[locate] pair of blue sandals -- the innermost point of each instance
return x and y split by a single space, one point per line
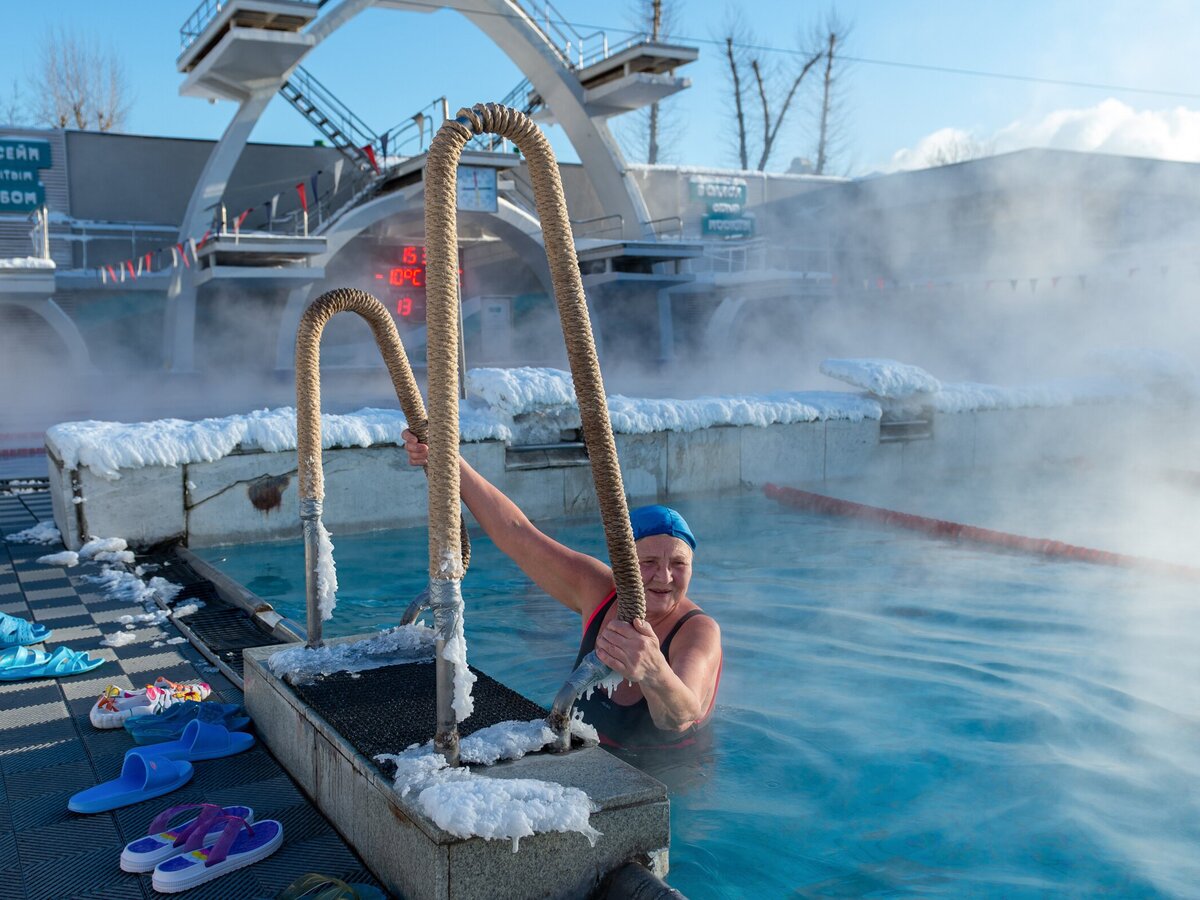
18 661
152 770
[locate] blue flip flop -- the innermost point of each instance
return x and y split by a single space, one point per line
199 741
169 725
15 632
141 778
17 663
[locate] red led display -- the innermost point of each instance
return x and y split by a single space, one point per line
407 283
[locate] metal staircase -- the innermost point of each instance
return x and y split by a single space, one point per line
330 116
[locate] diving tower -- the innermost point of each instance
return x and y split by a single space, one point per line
248 51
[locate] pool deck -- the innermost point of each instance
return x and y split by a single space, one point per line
49 750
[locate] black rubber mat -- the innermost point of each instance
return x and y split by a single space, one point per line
385 710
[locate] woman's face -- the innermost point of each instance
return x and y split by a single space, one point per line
666 565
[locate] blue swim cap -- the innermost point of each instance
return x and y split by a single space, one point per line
659 519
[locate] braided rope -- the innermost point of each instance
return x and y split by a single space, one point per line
308 382
441 239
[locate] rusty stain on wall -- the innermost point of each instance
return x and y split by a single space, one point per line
266 493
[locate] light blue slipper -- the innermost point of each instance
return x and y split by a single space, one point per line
16 632
200 740
17 663
141 779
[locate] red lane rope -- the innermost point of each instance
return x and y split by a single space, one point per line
945 529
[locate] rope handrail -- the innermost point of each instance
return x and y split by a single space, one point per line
441 241
308 426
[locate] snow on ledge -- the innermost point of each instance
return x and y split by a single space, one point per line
882 377
27 262
499 395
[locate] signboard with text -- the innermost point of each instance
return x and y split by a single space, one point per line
21 190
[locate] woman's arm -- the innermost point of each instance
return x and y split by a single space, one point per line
576 580
678 693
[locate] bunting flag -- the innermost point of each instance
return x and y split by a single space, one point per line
129 265
103 276
271 213
303 195
174 256
139 266
183 255
1054 281
370 151
192 247
316 195
383 145
337 172
148 267
237 223
112 275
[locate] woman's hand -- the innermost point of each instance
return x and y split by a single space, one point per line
631 650
418 453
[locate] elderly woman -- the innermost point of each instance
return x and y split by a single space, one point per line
671 660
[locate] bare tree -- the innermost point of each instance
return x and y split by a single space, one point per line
831 35
13 108
78 84
650 133
958 148
737 39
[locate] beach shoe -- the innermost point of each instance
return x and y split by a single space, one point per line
141 778
17 663
325 887
240 844
200 741
169 726
15 632
161 842
116 704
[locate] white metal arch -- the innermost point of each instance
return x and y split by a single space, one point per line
503 22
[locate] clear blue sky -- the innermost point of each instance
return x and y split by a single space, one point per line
386 64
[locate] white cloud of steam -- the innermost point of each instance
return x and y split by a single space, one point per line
1108 127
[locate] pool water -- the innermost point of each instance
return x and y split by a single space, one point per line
898 716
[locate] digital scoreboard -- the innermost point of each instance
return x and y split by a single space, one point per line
405 284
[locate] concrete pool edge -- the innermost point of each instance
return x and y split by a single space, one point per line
416 858
250 495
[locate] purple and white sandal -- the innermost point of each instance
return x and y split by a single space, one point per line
240 844
162 842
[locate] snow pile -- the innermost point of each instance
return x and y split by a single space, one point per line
882 377
41 533
326 574
26 262
118 639
969 396
467 804
642 416
521 390
66 559
117 584
403 644
106 550
107 447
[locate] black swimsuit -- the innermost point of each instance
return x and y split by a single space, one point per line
630 726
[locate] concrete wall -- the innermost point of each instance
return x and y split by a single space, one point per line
252 496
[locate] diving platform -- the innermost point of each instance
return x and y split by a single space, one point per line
26 278
266 260
228 49
635 264
628 79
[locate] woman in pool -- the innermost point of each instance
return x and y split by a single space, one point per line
671 660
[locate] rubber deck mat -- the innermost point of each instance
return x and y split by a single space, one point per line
224 628
386 710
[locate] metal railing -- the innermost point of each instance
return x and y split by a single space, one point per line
302 88
575 49
208 10
595 226
757 255
409 137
